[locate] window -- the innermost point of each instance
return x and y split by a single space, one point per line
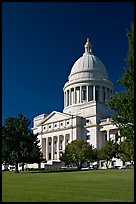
87 137
44 128
49 126
61 124
67 122
49 143
49 156
60 145
55 125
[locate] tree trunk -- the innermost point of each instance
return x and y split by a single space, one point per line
107 165
23 166
16 168
39 165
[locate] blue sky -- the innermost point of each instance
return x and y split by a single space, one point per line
42 40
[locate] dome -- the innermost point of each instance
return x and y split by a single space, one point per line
88 66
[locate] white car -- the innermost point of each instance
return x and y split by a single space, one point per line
87 168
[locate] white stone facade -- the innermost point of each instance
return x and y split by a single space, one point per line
85 115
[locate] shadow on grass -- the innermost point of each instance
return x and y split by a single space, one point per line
53 171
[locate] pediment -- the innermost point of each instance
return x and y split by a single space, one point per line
54 117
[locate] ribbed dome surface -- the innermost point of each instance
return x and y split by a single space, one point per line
88 66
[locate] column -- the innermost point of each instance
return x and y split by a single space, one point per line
105 93
74 95
58 147
100 94
52 152
94 93
80 94
64 99
87 93
64 142
69 96
47 152
43 148
108 135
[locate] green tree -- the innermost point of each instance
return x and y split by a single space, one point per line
19 144
108 151
123 102
78 152
127 151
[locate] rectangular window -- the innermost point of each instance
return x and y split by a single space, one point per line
60 145
87 137
49 156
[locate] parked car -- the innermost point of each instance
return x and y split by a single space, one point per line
11 168
87 168
69 166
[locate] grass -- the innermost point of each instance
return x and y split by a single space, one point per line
79 186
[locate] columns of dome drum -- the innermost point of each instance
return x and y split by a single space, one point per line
87 93
64 99
94 93
80 94
105 94
100 94
69 96
74 101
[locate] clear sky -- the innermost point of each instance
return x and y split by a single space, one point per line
41 41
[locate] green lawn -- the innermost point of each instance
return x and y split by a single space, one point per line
79 186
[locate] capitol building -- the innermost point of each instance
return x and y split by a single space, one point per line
85 115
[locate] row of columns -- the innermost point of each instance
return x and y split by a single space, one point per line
52 146
86 93
108 133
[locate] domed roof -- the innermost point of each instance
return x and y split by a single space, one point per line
88 66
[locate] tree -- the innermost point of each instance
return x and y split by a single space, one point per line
127 151
19 144
78 152
123 102
108 151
